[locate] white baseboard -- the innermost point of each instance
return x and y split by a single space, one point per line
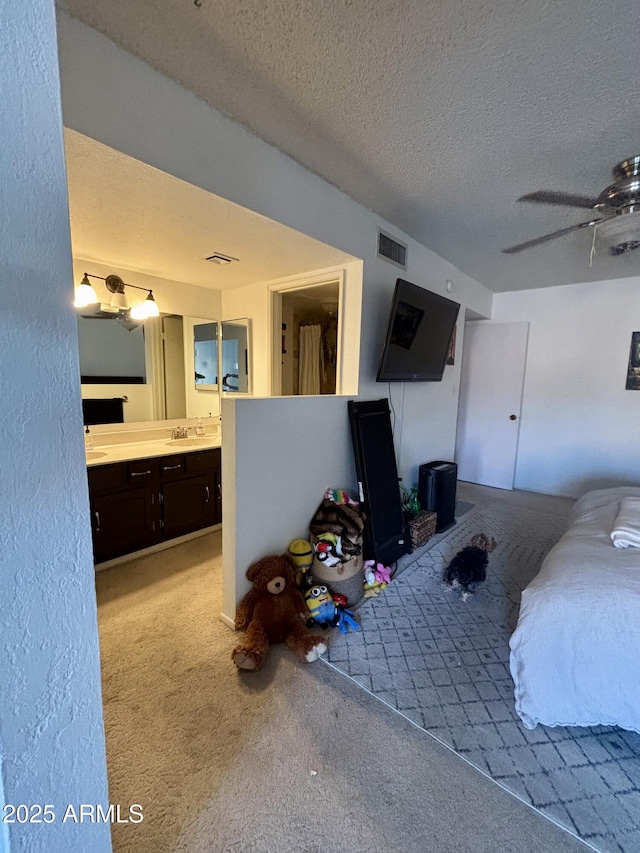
228 621
160 546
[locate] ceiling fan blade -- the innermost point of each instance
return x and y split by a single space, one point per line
512 250
565 199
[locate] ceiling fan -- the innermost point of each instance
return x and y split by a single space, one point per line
107 312
617 210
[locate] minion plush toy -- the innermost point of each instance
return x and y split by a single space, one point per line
329 612
322 608
302 555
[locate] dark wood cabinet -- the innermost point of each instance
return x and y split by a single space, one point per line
141 503
189 504
124 522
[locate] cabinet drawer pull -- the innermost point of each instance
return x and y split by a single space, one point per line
171 467
206 493
139 473
219 491
97 515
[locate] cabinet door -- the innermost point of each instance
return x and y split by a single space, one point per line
124 522
190 504
218 495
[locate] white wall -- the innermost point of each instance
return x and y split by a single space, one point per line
173 297
578 427
51 729
138 406
108 349
278 481
118 100
254 301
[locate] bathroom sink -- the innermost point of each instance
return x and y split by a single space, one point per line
94 454
192 442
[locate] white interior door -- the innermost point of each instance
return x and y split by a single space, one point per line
491 382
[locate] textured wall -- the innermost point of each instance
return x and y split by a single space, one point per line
4 828
277 489
436 114
578 428
116 99
51 731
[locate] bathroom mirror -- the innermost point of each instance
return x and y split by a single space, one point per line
221 356
205 356
140 372
235 356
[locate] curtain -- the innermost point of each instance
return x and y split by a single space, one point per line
310 359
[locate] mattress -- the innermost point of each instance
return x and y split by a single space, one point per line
575 653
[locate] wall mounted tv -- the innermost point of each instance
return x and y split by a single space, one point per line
418 335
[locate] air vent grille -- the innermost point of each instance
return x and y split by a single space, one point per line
219 258
391 249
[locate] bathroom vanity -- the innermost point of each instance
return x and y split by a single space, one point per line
147 494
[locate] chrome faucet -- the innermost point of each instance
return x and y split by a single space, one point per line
180 432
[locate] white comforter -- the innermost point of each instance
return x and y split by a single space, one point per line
575 653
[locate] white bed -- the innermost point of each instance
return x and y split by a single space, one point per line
575 653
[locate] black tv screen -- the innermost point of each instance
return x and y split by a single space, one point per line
418 335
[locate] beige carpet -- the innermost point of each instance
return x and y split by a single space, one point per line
294 758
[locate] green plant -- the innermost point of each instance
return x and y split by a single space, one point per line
410 502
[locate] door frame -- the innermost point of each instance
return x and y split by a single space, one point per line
274 318
487 324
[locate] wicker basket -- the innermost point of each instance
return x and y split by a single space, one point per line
422 527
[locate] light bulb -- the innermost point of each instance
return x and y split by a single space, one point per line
151 306
119 300
139 311
85 294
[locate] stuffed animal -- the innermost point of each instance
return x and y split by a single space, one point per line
301 553
374 588
339 496
274 611
320 604
376 572
329 610
328 549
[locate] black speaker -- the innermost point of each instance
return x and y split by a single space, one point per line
437 483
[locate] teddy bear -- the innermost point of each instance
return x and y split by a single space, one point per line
274 611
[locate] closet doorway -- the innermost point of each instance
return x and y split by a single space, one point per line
307 348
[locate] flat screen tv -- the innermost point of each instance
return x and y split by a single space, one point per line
418 335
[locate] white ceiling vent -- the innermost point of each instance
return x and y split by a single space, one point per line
391 249
219 258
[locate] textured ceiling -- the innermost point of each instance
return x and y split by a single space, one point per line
127 213
436 114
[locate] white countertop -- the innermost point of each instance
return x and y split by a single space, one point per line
107 453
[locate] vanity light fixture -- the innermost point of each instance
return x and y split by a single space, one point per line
86 295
